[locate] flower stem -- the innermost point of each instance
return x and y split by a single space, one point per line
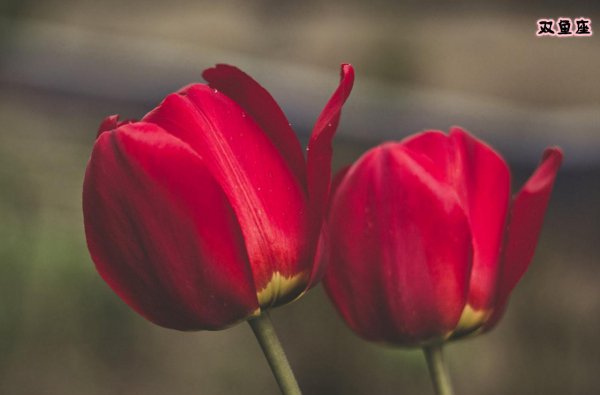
267 338
438 370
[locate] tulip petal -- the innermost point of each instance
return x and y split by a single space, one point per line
400 249
485 180
435 145
261 106
108 123
526 218
482 181
270 203
162 233
337 180
319 154
319 149
322 251
112 122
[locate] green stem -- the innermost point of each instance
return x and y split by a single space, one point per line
438 369
267 338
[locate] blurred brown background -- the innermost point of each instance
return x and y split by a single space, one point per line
420 64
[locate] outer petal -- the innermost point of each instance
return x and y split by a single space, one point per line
323 245
319 147
435 145
526 218
111 122
261 106
337 180
108 123
482 180
162 233
269 201
319 161
400 249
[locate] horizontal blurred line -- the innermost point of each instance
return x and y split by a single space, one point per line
112 66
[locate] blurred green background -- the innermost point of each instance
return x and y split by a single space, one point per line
429 64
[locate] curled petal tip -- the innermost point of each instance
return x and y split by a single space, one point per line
544 175
347 68
319 151
555 152
525 222
347 75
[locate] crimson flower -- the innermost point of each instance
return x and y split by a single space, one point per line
205 212
425 242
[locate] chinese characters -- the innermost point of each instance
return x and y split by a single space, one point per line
564 27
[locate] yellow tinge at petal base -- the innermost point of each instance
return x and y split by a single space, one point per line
471 321
281 289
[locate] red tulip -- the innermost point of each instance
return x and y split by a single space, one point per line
205 212
426 244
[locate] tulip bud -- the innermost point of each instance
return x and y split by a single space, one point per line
425 243
205 212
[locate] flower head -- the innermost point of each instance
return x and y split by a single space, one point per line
425 241
205 211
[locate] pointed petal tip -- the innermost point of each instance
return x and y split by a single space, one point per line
544 175
347 70
555 153
455 129
553 156
112 122
108 123
347 78
211 72
460 132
